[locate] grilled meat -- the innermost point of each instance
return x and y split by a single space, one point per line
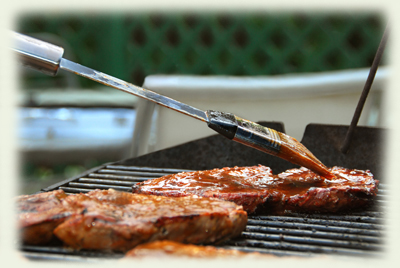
302 190
112 220
242 185
257 189
167 248
39 215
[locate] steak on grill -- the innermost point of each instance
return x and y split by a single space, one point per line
166 248
39 215
112 220
257 189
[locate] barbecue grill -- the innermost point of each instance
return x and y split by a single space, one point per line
355 233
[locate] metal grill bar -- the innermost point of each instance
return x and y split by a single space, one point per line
148 169
61 253
62 257
255 244
70 251
314 233
108 182
98 186
373 217
131 173
311 221
355 230
75 190
309 240
117 177
367 214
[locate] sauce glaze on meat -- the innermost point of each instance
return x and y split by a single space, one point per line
256 188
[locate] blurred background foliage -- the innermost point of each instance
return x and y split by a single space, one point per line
132 46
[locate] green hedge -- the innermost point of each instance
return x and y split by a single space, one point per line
132 46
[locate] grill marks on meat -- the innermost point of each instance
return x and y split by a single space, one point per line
167 248
257 189
111 220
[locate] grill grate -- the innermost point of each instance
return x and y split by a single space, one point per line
354 234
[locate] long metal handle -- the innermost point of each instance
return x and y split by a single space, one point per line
132 89
47 58
37 54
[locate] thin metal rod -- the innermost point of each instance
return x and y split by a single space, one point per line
364 94
132 89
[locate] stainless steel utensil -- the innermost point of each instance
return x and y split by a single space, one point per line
48 59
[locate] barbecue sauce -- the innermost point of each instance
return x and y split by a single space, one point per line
252 186
249 179
296 153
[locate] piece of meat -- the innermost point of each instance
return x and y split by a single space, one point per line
112 220
242 185
40 202
166 248
258 190
39 214
119 221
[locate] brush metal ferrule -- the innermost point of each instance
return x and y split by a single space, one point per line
245 131
257 136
